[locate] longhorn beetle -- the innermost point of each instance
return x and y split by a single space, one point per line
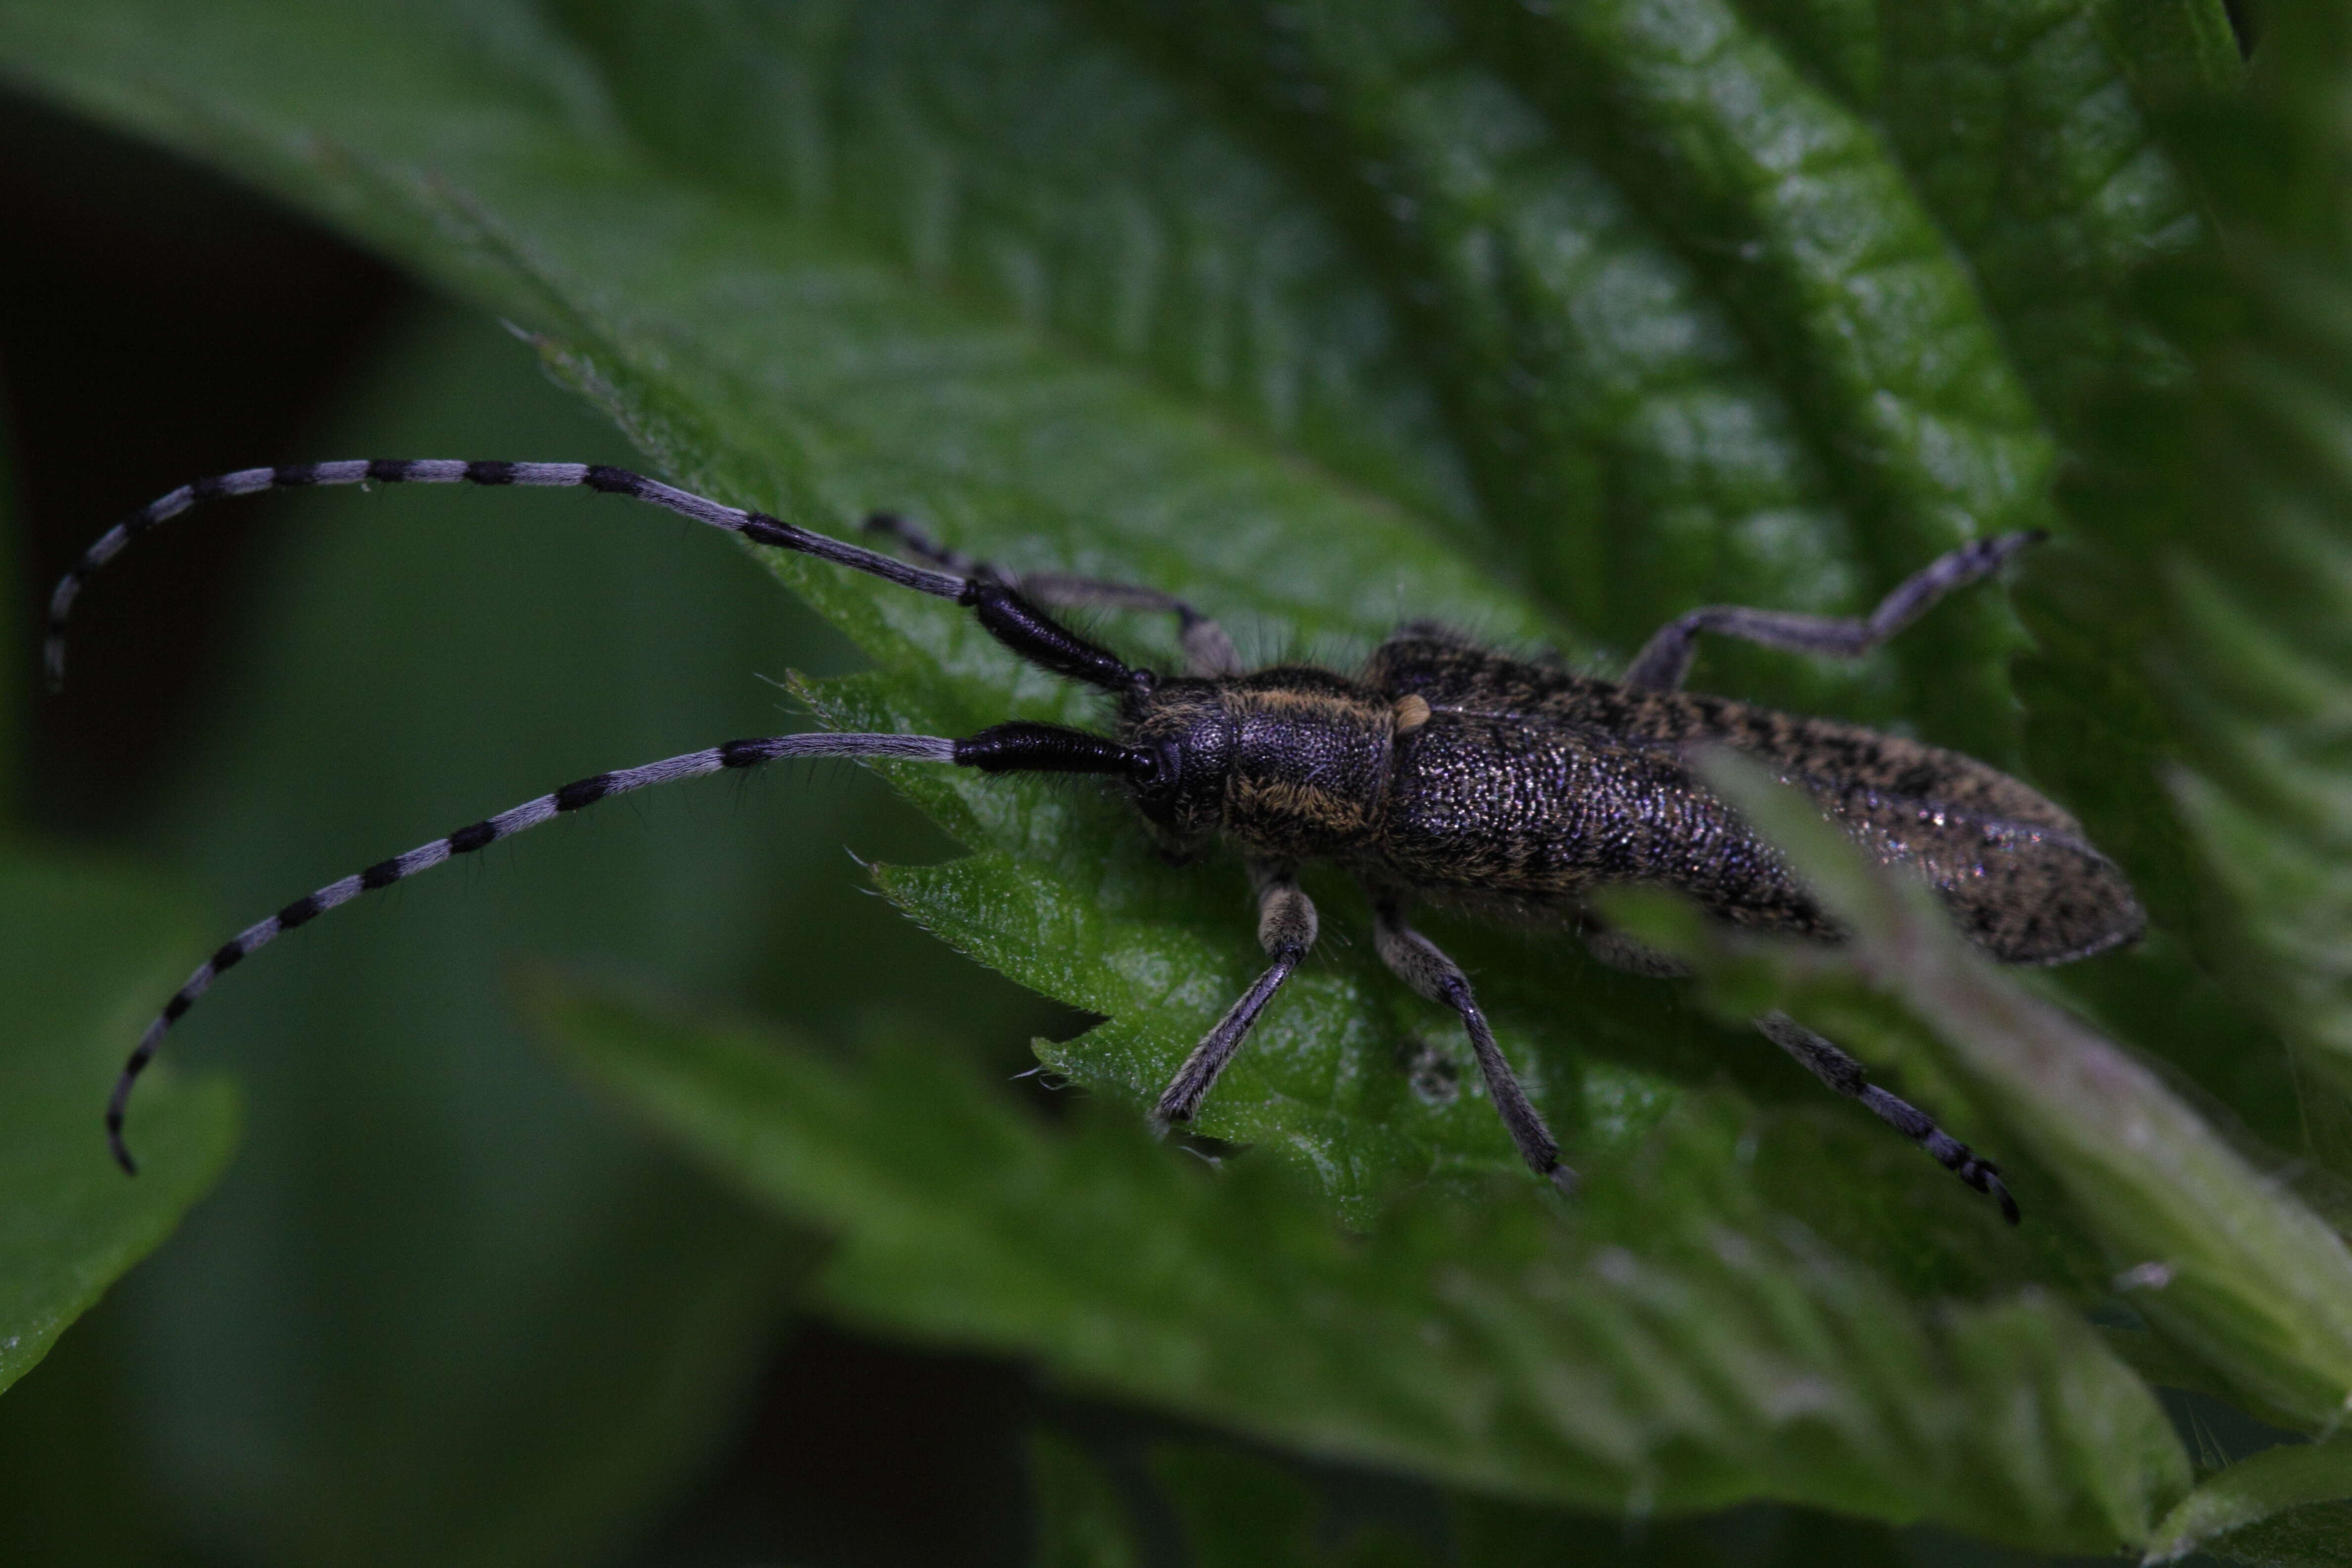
1441 770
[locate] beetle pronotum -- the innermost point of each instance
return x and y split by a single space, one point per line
1442 770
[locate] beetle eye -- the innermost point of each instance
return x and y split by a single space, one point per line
1154 770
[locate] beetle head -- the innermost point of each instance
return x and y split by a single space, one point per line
1183 726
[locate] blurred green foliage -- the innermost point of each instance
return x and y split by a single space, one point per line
1548 320
455 1306
84 947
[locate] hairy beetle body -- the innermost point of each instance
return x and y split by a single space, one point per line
1458 773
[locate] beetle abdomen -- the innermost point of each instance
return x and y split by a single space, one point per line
1458 676
1533 812
2025 891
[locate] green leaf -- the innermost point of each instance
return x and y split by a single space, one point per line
85 949
1708 332
2219 1256
2254 1489
2310 1537
2225 506
1591 375
1665 1345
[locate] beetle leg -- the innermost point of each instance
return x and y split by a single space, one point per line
1618 951
1416 961
1665 658
1207 649
1286 929
1845 1075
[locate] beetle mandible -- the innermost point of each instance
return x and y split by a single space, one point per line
1441 771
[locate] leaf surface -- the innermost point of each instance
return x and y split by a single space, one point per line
2256 1492
2257 1282
1667 1344
84 951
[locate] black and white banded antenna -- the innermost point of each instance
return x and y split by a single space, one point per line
756 526
1016 747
